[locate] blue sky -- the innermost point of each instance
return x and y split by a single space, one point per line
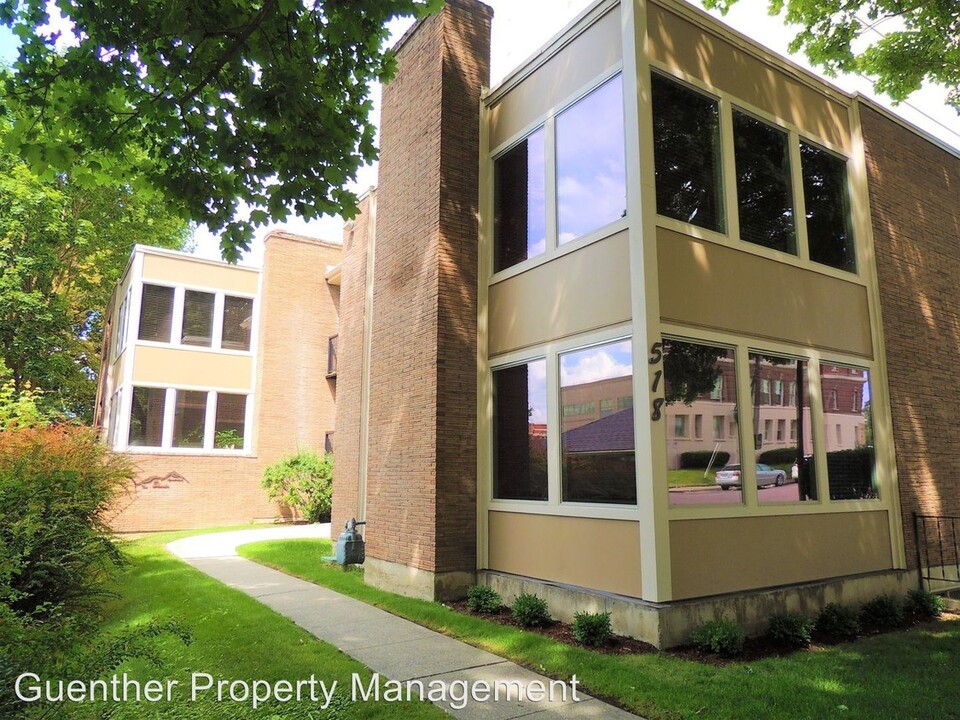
8 46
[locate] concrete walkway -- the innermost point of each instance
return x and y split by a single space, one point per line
389 645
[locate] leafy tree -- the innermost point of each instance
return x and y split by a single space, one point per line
919 45
264 103
63 247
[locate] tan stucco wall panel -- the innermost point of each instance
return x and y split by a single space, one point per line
724 555
580 62
190 272
586 552
683 46
709 285
583 290
174 367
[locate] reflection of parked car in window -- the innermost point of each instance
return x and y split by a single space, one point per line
730 476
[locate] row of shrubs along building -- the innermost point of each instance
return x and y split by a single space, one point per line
654 251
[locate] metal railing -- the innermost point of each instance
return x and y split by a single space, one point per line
938 551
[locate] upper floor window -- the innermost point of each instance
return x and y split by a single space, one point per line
764 189
156 313
686 144
520 211
120 341
591 162
197 327
237 322
827 208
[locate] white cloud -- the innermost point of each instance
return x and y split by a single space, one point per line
600 363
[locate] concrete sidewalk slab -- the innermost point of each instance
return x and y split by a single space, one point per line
393 647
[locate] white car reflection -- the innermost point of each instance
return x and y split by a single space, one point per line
729 477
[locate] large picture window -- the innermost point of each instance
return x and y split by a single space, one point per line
189 418
849 433
197 328
591 162
700 380
520 213
520 432
828 214
156 313
597 449
764 189
146 417
230 426
686 143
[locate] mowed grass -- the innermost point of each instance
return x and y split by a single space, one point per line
910 674
234 637
687 478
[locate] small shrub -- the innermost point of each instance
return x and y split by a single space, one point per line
778 456
838 622
884 612
790 630
304 482
699 459
923 605
723 637
482 599
530 611
591 629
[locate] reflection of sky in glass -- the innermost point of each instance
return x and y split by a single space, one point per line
596 363
536 194
537 389
591 166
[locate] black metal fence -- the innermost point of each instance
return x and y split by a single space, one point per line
938 552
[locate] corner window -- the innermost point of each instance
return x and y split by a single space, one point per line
686 142
849 433
230 426
764 189
591 162
197 327
123 316
146 417
827 208
701 379
520 432
237 323
519 224
156 313
597 452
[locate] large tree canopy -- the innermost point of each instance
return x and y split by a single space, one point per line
900 44
262 102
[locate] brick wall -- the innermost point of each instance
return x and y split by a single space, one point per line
421 482
295 403
915 201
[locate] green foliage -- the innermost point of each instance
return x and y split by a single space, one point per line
530 611
884 612
837 622
790 630
304 482
229 438
723 637
18 409
689 370
919 46
483 599
699 459
211 104
591 629
778 456
923 605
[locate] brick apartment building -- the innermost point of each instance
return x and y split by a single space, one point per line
214 371
654 236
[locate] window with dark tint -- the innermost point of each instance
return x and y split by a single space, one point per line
156 313
189 417
146 417
598 462
827 209
237 322
520 432
848 433
764 192
686 143
197 318
231 421
591 164
519 225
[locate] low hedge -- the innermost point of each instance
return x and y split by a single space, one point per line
700 459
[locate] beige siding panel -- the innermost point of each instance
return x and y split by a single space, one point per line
712 557
174 367
583 290
190 271
683 46
586 552
709 285
572 69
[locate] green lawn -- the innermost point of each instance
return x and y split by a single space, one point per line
910 674
686 478
234 637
